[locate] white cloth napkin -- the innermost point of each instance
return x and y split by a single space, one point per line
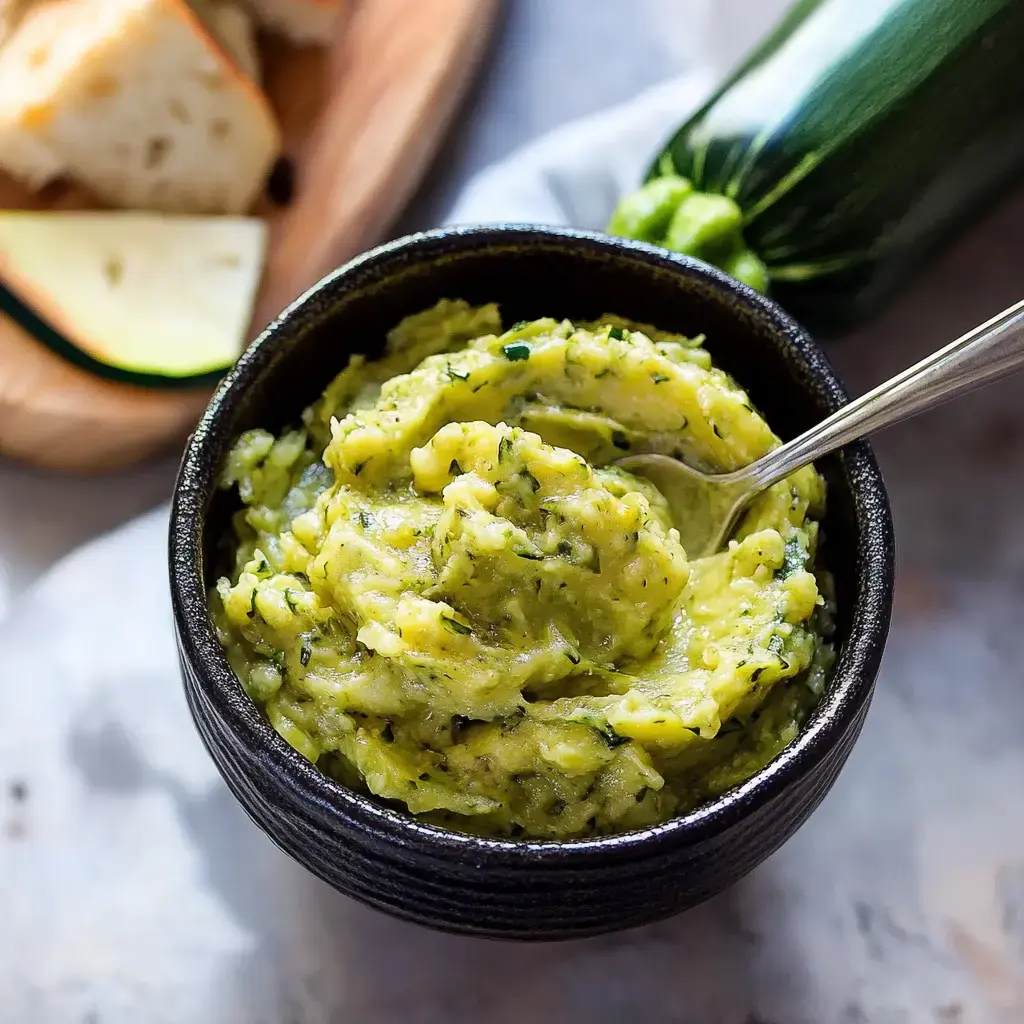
575 174
133 888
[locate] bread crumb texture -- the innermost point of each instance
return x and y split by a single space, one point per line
133 99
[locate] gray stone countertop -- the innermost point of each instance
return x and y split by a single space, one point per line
900 902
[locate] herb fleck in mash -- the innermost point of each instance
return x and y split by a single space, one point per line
445 596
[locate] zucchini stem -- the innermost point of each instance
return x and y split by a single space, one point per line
668 211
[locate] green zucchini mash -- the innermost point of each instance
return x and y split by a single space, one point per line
444 596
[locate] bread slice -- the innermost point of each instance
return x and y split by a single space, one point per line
8 17
233 28
10 14
133 99
24 155
230 25
139 293
302 21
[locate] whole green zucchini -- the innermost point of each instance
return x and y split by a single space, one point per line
858 138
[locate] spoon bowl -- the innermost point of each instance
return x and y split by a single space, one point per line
704 507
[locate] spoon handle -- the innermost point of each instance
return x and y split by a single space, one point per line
993 350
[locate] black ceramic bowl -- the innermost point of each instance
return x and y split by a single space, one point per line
515 888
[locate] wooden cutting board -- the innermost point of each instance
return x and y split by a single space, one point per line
360 122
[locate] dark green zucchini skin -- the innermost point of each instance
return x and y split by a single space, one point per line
32 323
858 139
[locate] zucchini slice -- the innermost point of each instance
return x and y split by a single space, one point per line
148 299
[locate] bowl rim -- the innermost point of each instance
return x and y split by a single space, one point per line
856 665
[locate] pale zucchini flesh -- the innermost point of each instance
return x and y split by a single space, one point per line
139 294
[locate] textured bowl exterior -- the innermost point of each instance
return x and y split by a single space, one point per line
514 888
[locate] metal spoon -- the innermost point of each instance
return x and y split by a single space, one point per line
705 507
